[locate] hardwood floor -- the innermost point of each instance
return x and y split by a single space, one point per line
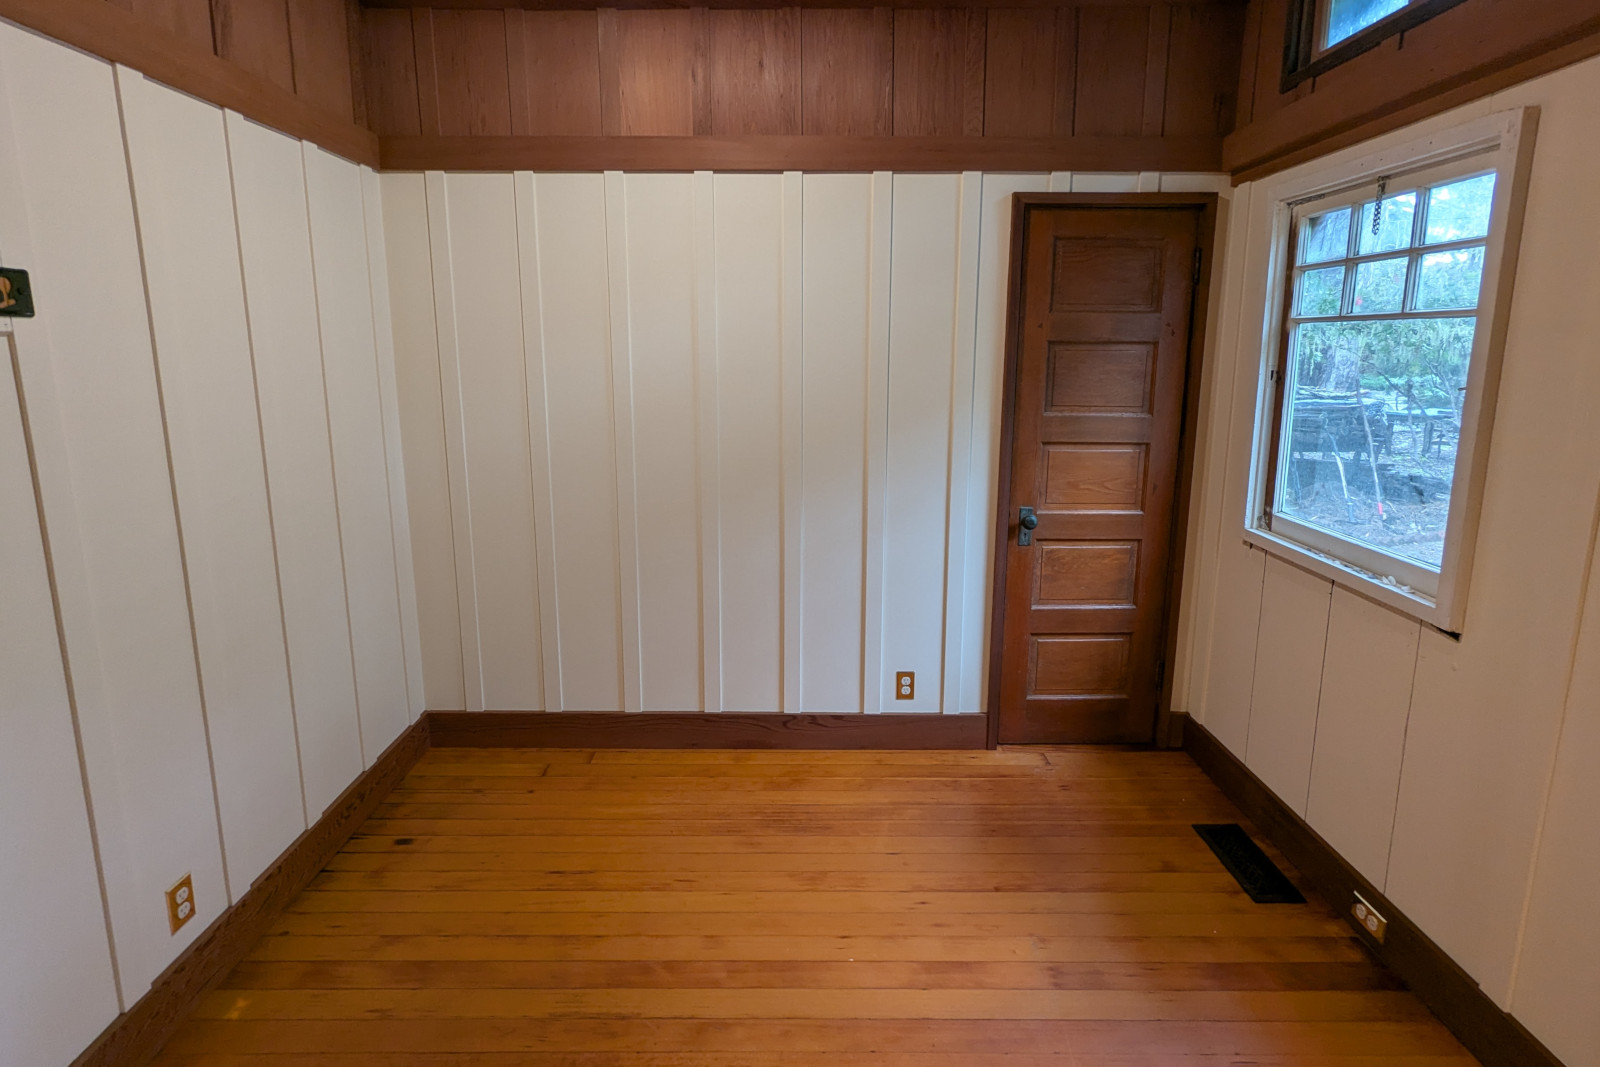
1042 906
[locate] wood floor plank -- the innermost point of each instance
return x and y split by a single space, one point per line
1032 907
1129 921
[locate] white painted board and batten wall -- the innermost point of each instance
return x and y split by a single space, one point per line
705 442
1456 775
216 458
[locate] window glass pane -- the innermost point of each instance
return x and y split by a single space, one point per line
1393 231
1326 237
1371 424
1349 17
1321 292
1380 287
1450 280
1460 212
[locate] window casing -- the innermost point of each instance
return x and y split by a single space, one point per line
1381 361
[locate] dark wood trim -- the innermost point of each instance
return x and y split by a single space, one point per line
1310 128
1300 61
138 1033
1489 1033
1166 735
630 5
538 729
107 31
779 152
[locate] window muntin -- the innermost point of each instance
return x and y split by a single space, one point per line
1382 320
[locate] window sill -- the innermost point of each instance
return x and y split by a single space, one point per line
1405 601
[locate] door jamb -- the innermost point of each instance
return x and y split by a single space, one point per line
1021 205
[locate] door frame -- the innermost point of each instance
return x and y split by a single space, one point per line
1021 205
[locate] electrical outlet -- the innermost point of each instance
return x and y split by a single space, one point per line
905 685
180 902
1370 920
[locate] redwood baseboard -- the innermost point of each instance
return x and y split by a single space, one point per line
538 729
138 1033
1489 1033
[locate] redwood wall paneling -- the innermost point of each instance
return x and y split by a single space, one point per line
754 71
1133 72
847 72
389 73
647 73
560 72
1203 54
473 85
255 35
319 40
1021 72
1468 51
188 20
938 72
1113 61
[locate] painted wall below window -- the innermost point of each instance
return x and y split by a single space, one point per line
1457 776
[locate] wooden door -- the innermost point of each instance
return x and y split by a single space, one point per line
1101 332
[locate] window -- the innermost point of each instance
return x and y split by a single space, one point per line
1381 384
1324 33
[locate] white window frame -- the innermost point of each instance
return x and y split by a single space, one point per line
1502 143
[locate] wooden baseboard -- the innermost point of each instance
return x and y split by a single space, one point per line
538 729
138 1033
1489 1033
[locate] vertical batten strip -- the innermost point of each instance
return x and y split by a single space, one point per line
793 470
389 399
963 367
877 457
706 399
622 426
1060 181
539 435
437 184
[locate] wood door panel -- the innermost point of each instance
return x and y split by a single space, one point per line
1087 573
1105 274
1100 379
1094 478
1081 664
1104 313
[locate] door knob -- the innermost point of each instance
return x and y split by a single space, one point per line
1028 522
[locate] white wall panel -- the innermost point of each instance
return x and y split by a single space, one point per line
178 151
1361 724
355 416
422 433
57 989
1490 766
275 250
1288 680
562 229
921 360
963 372
748 231
656 232
1558 970
487 374
988 391
89 378
394 453
836 268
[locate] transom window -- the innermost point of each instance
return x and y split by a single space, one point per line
1391 297
1325 33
